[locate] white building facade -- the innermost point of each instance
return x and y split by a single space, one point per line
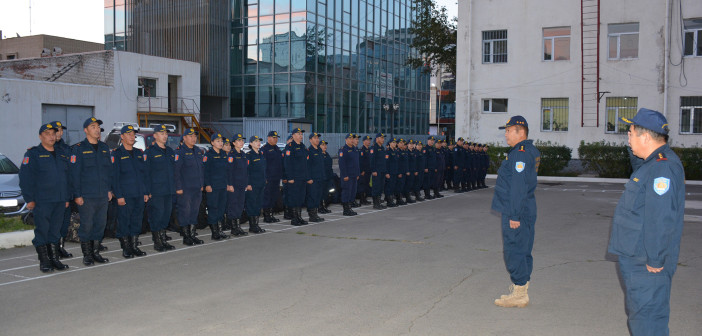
572 68
113 86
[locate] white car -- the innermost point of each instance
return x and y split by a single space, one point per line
11 200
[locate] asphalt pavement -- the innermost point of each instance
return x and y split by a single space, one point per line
431 268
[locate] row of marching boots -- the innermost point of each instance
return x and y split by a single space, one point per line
393 200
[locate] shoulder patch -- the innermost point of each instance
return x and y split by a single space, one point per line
661 185
25 160
144 156
519 166
73 159
521 148
204 159
371 151
177 157
661 157
287 152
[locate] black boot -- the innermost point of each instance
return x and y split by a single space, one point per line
298 215
323 208
187 236
408 198
312 213
347 210
427 194
63 254
437 194
266 217
364 199
399 200
164 240
126 248
158 244
354 204
418 197
54 253
96 252
236 228
389 199
288 213
44 262
226 224
253 225
377 204
87 253
221 231
135 248
193 235
100 247
166 237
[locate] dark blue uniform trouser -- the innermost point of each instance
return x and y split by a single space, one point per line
314 194
438 179
429 179
160 208
457 176
216 204
93 218
516 247
188 206
293 192
235 202
129 217
348 189
254 200
400 183
66 221
325 188
390 185
363 183
409 183
378 185
647 296
465 177
271 193
48 218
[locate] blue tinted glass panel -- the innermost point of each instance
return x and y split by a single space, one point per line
282 32
265 34
282 56
283 6
266 7
298 54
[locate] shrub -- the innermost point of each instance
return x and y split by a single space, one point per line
691 159
607 159
553 158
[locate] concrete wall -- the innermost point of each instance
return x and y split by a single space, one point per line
31 46
525 78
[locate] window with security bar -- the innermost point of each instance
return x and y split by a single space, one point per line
495 46
623 41
693 37
620 107
691 115
557 44
554 114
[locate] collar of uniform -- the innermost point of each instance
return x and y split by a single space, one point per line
654 155
518 145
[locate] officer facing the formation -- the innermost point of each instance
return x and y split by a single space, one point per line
274 173
216 185
160 186
365 163
648 223
349 172
257 181
378 160
44 184
315 167
431 170
391 175
67 213
90 176
238 171
129 187
295 165
328 181
189 181
514 199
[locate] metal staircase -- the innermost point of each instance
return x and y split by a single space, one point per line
188 117
590 51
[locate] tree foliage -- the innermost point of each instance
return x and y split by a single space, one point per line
434 37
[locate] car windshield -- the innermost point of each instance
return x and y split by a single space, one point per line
6 166
173 141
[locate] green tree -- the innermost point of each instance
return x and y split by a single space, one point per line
434 37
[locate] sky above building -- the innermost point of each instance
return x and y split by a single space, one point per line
76 19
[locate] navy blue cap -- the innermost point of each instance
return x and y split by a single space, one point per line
289 136
190 131
380 135
127 129
431 138
226 140
273 134
402 140
254 138
459 139
367 137
161 128
393 140
324 142
351 135
516 120
49 126
91 120
58 124
649 119
314 134
411 141
216 136
238 136
298 130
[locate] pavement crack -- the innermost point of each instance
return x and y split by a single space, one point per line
302 233
570 262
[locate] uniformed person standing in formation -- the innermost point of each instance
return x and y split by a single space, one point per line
238 171
129 188
328 178
160 186
91 176
287 211
274 173
484 165
61 144
189 180
315 166
44 184
257 181
514 199
420 166
448 172
392 171
226 223
295 165
216 185
378 160
349 172
431 168
465 178
458 164
648 223
411 171
441 166
402 171
364 189
354 203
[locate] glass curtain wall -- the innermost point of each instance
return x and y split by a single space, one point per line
334 63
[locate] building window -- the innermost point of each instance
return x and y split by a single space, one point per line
623 40
693 37
10 56
495 46
557 44
554 114
620 107
691 115
147 87
496 105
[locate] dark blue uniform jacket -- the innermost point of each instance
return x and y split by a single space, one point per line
128 176
44 175
160 170
516 182
392 164
349 162
90 170
365 159
295 162
189 169
274 161
378 159
238 169
315 164
257 168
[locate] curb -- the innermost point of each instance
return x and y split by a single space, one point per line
16 239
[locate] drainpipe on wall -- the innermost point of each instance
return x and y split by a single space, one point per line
666 40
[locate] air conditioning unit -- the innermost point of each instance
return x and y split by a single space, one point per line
46 52
57 51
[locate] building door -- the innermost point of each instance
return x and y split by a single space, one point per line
173 94
71 116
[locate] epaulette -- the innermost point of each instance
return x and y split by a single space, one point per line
521 149
661 157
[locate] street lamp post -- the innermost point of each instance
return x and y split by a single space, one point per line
392 108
